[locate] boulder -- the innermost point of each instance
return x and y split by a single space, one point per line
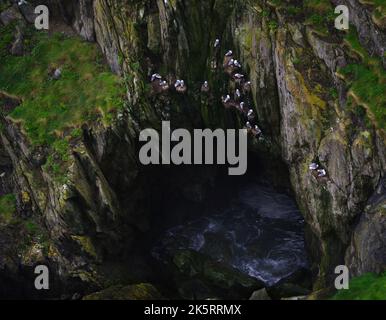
299 283
222 279
261 294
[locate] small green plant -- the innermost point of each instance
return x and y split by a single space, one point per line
76 133
273 25
334 93
317 19
293 11
296 61
265 13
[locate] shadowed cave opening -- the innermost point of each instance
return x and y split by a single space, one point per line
219 236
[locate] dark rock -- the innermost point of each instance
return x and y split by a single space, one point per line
367 251
286 290
28 12
9 15
226 281
143 291
217 246
8 102
261 294
194 289
298 283
17 48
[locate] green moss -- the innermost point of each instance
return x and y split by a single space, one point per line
319 14
320 6
353 41
51 106
272 25
293 11
333 92
54 109
7 208
76 133
366 287
367 80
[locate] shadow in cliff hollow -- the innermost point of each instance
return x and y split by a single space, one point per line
206 224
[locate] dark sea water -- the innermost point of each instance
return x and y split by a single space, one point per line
260 233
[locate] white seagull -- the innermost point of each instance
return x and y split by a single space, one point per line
229 53
322 173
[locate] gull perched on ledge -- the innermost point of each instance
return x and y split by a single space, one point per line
155 76
322 173
205 87
180 86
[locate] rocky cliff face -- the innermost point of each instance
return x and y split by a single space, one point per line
318 121
306 102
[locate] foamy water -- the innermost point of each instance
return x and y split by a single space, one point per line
260 234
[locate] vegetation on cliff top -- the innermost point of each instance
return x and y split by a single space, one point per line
84 90
366 80
366 287
53 110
